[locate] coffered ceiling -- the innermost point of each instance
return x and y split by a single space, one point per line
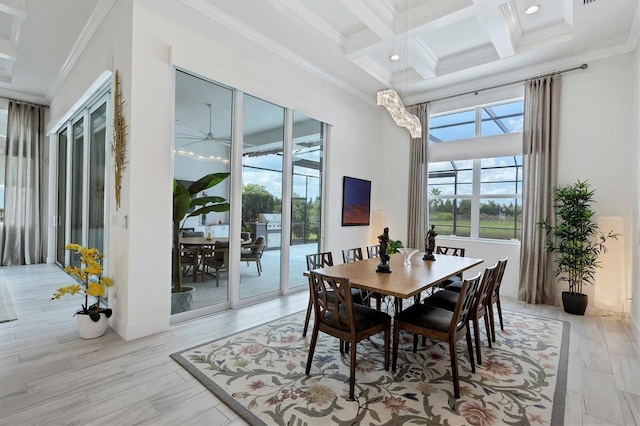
444 45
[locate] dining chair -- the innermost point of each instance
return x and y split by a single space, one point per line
352 255
216 258
495 297
337 315
253 253
373 251
192 233
315 261
450 251
447 299
188 260
320 260
439 324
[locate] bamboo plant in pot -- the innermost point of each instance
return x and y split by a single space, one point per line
576 241
185 198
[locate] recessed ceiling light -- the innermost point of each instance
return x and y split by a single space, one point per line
394 57
532 9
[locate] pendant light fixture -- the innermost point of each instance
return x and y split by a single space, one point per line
390 99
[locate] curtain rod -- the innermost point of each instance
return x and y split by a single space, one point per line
24 102
581 67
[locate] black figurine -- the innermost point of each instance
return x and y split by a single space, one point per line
383 239
430 244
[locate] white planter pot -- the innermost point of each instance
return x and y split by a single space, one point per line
89 329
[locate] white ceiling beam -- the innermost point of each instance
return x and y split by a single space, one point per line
297 10
492 17
8 50
431 15
379 31
378 22
468 59
424 60
17 8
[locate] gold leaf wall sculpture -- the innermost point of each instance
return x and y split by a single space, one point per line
119 143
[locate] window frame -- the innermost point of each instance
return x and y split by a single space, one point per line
477 149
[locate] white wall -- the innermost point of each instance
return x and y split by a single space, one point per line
596 141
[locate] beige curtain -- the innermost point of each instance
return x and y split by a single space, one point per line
417 208
23 239
540 164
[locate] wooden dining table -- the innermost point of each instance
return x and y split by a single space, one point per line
403 281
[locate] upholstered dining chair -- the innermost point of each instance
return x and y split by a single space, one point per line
373 251
315 261
337 316
439 324
216 258
495 297
351 255
447 299
450 251
253 253
320 260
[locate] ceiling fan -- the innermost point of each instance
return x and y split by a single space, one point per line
208 136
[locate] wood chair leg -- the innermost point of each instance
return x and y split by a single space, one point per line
352 371
307 318
492 324
486 326
386 350
454 367
312 348
500 314
476 335
470 350
396 340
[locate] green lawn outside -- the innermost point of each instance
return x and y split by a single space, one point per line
488 229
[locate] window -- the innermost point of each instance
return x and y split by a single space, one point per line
472 194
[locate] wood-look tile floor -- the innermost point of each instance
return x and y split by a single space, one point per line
49 376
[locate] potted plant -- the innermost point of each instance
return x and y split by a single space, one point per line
185 198
577 241
92 319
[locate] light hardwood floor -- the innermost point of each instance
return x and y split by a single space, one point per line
49 376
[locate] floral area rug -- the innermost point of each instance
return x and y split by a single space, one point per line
260 373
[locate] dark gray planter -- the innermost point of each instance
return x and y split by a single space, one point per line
574 303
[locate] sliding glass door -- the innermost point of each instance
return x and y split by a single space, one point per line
202 146
263 144
279 178
306 194
82 173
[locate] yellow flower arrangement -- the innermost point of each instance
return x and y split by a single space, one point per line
90 280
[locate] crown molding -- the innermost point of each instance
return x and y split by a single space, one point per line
100 12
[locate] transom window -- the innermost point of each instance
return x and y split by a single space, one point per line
477 122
